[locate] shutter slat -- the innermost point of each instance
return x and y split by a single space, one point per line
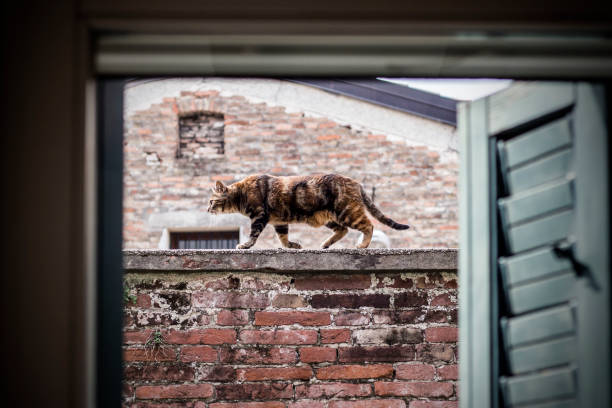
538 326
541 294
537 202
532 265
537 142
549 168
542 355
539 232
571 403
540 387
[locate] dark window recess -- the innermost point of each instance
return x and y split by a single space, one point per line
204 240
201 135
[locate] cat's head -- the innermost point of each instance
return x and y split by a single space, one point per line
219 202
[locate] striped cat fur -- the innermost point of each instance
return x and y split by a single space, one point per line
336 201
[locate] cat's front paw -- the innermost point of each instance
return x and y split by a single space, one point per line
246 245
294 245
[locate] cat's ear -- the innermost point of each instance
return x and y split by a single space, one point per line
220 187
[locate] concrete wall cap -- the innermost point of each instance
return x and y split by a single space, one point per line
281 260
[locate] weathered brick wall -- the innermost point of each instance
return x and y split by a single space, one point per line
291 331
415 184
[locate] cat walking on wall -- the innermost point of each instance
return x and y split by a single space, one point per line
336 201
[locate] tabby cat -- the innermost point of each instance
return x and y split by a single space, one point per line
332 200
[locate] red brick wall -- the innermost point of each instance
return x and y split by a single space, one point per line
291 340
414 184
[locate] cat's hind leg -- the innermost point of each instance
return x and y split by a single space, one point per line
283 235
339 232
359 220
367 229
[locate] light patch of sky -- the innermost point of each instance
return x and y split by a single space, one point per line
460 89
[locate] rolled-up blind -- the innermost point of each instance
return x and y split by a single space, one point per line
450 54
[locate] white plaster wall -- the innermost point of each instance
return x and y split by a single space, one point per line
312 101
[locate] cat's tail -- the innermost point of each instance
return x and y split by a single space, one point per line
376 213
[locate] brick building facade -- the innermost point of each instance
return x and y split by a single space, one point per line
178 145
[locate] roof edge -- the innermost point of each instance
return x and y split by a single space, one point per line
390 95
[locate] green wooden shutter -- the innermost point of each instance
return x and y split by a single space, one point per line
534 258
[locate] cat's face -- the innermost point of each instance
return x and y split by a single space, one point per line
219 202
217 205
